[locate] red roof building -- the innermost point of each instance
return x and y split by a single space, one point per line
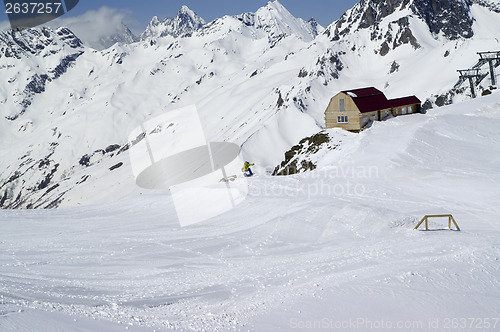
355 109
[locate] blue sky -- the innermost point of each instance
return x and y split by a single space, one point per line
139 13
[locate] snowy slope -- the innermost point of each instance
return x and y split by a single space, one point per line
331 246
129 84
258 80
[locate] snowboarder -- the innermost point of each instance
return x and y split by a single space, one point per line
246 169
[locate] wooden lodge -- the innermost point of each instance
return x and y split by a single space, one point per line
353 109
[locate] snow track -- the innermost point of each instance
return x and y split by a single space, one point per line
290 255
225 274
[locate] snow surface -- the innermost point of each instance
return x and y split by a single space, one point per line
334 245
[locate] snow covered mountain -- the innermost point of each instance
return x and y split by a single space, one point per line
51 53
122 36
261 80
98 29
185 22
449 18
406 39
336 243
333 242
277 22
273 20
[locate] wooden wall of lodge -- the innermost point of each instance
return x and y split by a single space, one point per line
350 109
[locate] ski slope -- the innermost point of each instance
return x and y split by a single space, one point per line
334 246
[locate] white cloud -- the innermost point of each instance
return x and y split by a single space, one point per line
96 28
4 25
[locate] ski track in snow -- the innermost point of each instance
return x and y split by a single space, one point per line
288 253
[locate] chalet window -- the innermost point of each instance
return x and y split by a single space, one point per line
403 110
342 107
410 109
342 119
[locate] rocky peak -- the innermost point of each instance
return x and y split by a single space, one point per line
278 22
493 5
184 23
123 35
272 6
186 14
450 18
37 41
154 21
53 52
315 26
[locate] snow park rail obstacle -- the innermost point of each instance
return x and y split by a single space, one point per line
426 219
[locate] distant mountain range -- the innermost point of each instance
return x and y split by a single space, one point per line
261 80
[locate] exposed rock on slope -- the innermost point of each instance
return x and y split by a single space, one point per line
304 156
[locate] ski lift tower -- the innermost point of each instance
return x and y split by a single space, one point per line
491 57
471 74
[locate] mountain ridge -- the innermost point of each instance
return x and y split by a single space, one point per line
66 121
451 18
185 22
